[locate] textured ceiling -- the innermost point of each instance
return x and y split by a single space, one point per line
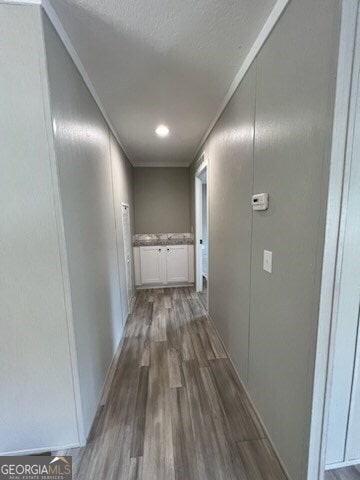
156 61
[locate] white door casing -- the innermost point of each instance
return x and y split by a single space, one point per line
198 236
198 222
127 254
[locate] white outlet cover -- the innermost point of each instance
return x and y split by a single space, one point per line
267 263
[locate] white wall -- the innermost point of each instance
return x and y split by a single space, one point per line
275 136
37 405
86 160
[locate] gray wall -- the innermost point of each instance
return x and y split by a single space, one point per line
86 160
37 393
274 136
230 155
162 200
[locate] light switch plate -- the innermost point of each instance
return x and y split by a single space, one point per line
267 263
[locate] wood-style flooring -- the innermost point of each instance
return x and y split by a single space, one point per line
174 409
348 473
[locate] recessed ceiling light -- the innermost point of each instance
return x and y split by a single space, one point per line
162 131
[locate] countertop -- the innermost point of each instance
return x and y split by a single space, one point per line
162 242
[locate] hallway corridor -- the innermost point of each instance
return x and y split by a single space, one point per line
175 408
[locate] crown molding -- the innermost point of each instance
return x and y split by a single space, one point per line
51 13
161 164
267 28
256 47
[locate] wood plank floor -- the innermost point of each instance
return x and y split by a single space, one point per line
348 473
174 409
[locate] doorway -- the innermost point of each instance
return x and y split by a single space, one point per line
202 231
342 442
335 438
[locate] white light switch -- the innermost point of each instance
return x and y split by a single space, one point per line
267 264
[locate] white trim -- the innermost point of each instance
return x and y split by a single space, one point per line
267 28
21 2
130 301
349 463
117 242
198 221
53 448
256 47
157 286
51 13
325 334
110 373
198 234
203 164
160 164
267 434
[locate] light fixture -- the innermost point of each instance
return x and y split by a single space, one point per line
162 131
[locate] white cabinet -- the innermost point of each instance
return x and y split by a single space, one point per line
177 265
164 265
151 265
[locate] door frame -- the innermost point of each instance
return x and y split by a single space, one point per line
129 301
347 85
203 165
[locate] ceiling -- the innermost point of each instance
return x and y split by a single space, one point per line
162 62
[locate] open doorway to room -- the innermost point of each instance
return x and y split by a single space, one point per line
335 444
202 243
342 431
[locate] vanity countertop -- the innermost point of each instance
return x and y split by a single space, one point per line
161 242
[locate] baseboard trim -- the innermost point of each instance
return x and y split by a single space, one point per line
32 451
349 463
110 374
268 437
156 287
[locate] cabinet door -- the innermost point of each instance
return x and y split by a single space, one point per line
177 264
150 265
